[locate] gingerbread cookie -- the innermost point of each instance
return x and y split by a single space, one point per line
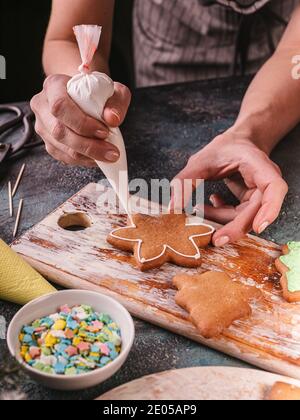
155 240
214 300
284 392
289 266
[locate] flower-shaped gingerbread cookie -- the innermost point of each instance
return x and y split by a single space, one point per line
165 238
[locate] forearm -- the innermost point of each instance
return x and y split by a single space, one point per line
61 54
271 107
62 57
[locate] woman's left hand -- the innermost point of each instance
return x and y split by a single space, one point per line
250 175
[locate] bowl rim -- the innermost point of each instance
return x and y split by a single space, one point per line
124 353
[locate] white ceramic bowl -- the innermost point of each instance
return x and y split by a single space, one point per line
49 304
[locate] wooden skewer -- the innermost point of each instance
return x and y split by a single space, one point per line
18 218
19 179
10 200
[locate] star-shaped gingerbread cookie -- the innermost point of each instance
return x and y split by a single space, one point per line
214 301
155 240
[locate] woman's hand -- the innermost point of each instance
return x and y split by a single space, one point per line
250 175
70 135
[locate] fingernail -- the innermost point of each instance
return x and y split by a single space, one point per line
101 134
212 200
112 156
224 240
263 227
116 114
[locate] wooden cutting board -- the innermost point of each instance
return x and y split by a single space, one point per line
202 384
270 339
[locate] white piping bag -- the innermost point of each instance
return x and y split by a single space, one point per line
91 91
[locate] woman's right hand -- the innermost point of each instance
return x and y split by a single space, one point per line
70 135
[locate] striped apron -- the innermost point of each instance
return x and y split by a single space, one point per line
185 40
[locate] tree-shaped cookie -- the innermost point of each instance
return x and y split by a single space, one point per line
214 300
289 267
155 240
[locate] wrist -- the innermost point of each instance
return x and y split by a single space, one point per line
248 131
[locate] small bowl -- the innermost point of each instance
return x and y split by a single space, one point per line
49 304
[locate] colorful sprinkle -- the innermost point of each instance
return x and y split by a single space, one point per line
72 341
50 340
83 347
60 324
69 334
34 352
65 309
104 349
71 351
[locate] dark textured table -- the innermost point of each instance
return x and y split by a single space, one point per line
164 127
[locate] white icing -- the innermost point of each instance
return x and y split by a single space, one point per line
91 92
142 260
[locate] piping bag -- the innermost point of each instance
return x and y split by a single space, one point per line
90 91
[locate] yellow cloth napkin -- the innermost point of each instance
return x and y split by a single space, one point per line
19 283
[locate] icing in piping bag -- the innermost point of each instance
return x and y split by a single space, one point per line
91 91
